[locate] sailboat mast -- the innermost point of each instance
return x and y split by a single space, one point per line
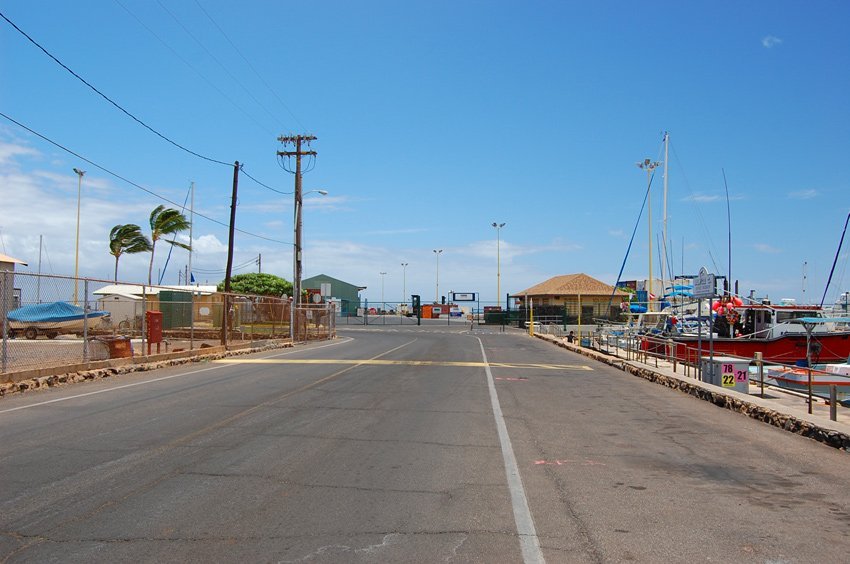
664 223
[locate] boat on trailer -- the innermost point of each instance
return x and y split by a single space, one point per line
51 319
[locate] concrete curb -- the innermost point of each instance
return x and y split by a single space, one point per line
833 434
48 378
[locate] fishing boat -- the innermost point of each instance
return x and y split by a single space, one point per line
783 333
52 319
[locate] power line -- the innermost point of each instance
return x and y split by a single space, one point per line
246 264
131 183
214 58
191 66
242 168
134 117
248 62
108 99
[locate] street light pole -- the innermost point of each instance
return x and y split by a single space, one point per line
80 174
383 304
498 227
650 166
404 281
437 294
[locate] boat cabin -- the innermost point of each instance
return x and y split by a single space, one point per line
765 321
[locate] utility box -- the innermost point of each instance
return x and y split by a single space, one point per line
176 308
154 323
727 372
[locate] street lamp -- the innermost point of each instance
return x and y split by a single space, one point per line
296 256
437 294
383 304
649 165
80 174
404 281
498 227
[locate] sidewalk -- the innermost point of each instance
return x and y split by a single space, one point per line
786 410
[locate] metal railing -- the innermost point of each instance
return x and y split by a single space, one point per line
663 352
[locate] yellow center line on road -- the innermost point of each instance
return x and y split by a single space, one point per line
383 362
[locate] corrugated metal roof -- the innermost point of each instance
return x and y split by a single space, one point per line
136 289
571 285
7 258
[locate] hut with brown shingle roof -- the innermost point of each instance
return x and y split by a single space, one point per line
578 294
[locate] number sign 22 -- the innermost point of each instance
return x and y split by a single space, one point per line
730 376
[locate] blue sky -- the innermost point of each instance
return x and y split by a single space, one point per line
435 119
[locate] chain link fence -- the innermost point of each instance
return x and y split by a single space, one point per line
50 321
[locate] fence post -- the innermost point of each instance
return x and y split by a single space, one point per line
4 308
144 317
86 320
192 320
833 403
760 367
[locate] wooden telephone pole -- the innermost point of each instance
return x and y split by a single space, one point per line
225 314
297 141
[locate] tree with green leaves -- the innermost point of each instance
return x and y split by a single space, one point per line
166 221
257 283
127 239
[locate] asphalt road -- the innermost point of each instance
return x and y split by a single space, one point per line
407 444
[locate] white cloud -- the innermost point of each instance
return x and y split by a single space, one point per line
702 198
404 231
707 198
803 194
765 248
770 41
206 245
8 152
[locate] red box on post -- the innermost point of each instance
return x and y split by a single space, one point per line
154 324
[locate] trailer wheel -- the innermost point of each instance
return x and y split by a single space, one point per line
30 333
52 334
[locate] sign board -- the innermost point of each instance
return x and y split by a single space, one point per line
705 284
463 296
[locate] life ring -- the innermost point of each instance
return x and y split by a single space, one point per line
732 316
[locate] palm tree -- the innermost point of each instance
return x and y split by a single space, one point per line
166 222
127 239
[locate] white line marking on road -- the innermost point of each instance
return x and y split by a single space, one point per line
134 384
529 542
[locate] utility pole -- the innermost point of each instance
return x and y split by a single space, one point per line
297 141
260 263
225 313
